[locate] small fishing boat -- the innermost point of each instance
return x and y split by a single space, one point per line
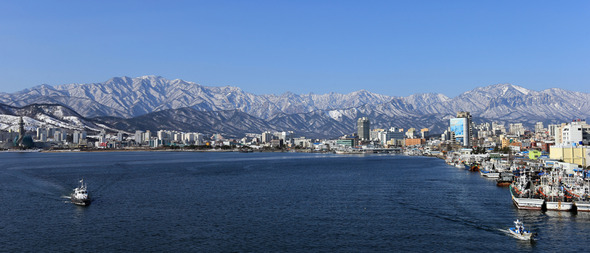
80 195
519 231
505 179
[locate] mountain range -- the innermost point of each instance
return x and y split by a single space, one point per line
153 103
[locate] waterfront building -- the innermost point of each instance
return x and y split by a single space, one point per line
188 138
411 133
138 137
467 115
348 140
415 141
41 131
266 137
395 142
446 136
217 138
79 137
76 137
101 141
461 128
59 136
278 143
345 142
376 134
285 136
302 142
392 135
164 136
177 137
199 139
424 132
363 128
570 154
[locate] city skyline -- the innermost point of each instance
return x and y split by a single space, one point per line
389 48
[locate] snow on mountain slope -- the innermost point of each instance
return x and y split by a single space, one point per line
320 114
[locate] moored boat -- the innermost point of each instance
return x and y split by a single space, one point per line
555 200
524 194
491 174
504 179
579 192
582 205
474 167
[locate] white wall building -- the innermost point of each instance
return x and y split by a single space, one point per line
266 137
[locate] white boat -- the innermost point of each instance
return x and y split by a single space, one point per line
522 196
528 203
519 231
494 175
582 205
559 205
80 195
553 193
579 191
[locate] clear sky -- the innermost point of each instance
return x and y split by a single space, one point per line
389 47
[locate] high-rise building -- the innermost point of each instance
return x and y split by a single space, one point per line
517 129
573 133
139 137
539 127
147 136
424 132
552 129
461 127
363 128
76 137
266 137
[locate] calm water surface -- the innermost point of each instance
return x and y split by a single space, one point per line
264 202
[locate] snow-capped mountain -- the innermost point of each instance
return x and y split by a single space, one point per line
45 116
132 97
152 102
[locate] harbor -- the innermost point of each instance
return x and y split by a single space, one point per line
541 184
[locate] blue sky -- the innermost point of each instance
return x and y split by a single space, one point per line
394 48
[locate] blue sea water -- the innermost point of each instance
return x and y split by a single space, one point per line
264 202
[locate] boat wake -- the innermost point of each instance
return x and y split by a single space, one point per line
453 218
461 220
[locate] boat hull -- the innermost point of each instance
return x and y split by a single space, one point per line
582 206
528 203
526 235
491 175
558 206
80 202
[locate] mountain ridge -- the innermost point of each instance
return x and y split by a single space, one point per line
154 98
